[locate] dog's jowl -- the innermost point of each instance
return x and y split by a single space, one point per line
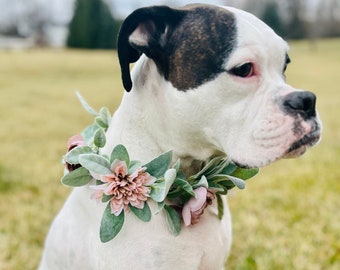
207 81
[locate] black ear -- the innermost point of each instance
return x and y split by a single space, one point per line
144 31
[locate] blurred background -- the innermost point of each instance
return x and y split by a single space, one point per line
288 217
72 23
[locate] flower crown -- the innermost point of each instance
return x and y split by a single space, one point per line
127 185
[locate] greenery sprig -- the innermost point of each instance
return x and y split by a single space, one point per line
127 185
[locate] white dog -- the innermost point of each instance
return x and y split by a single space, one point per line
209 80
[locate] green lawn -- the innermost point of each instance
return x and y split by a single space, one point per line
287 218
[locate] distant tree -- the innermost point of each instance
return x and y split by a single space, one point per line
296 28
92 26
272 17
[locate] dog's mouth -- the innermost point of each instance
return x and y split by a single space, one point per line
299 147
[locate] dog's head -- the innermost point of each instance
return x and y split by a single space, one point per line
221 72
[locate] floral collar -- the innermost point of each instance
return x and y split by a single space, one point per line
127 185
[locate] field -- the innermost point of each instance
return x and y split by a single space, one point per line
287 218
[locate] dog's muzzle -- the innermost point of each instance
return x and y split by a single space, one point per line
301 105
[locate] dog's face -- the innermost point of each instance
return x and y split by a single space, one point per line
222 71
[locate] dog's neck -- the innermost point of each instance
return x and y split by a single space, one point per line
144 128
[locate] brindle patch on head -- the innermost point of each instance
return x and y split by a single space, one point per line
199 46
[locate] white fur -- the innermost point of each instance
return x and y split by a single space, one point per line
239 117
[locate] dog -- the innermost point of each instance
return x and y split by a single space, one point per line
208 80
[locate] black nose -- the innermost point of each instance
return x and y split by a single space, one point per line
302 103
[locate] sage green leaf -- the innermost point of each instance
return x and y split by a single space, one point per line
185 186
120 153
100 122
219 188
203 182
105 115
245 173
160 189
207 169
173 219
86 106
99 139
237 182
220 206
177 165
110 224
72 157
95 163
134 165
143 214
228 169
106 198
88 133
77 178
160 207
158 166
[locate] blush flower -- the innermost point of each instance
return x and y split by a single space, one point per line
73 142
124 188
194 208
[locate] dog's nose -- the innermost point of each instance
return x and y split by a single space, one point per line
302 103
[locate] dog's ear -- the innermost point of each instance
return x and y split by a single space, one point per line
146 30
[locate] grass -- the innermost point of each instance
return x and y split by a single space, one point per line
287 218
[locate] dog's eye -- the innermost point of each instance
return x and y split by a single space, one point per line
244 71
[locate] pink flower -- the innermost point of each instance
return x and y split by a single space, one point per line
125 188
74 141
194 208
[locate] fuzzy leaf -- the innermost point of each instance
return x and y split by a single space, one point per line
203 182
88 133
143 214
237 182
245 173
177 165
105 115
134 165
185 186
85 105
173 219
158 166
220 207
228 169
77 178
106 198
110 224
99 138
95 163
120 153
72 157
101 123
160 189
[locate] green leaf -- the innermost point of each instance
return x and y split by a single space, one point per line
245 173
100 122
88 133
185 186
228 169
110 224
72 157
177 165
106 198
160 207
220 206
105 115
173 219
207 169
99 139
134 165
203 182
86 106
160 189
143 214
77 178
158 166
237 182
95 163
120 153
